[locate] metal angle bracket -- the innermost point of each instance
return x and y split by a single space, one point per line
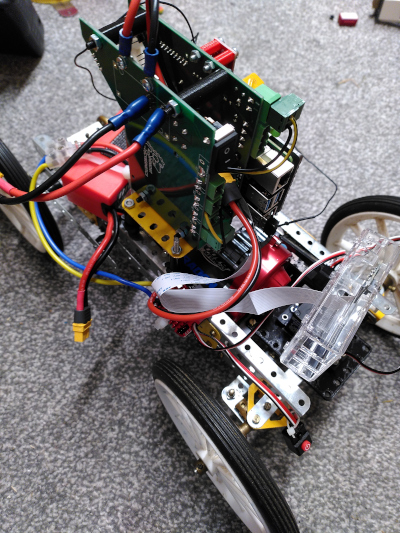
234 394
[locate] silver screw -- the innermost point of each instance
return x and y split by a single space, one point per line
267 406
194 56
256 419
121 63
208 66
176 247
147 85
129 203
231 393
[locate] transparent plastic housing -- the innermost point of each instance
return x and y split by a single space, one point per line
327 330
58 152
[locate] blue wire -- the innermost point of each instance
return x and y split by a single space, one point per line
78 265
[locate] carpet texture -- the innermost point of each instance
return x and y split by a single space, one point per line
85 444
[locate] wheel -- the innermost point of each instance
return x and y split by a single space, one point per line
19 214
232 464
380 213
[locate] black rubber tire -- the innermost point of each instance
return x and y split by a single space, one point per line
232 445
16 175
381 204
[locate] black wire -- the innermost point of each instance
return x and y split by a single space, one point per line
327 203
283 149
380 372
104 255
43 187
105 151
91 77
184 16
152 39
194 38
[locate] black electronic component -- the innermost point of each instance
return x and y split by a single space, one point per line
211 84
300 442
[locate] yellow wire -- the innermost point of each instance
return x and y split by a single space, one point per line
48 248
292 120
210 227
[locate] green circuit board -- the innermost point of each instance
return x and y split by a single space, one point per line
179 156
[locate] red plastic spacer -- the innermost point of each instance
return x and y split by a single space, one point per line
212 47
226 57
305 445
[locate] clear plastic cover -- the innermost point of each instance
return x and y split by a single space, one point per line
58 152
327 330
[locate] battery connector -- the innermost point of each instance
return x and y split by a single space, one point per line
81 324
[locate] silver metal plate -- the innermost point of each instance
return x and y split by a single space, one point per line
284 384
301 236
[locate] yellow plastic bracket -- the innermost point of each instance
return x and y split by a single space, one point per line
253 390
253 80
155 225
81 331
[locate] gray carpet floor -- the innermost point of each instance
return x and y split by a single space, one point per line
85 444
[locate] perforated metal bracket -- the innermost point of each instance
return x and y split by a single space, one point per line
284 384
234 393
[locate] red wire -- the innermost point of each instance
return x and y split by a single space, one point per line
130 18
198 317
133 149
181 188
80 300
337 262
110 146
148 19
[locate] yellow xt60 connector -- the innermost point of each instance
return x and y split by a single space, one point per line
81 331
